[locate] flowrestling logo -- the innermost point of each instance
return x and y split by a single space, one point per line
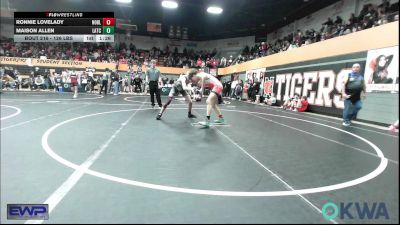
355 210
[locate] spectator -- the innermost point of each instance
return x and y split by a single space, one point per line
228 88
353 89
329 22
91 83
199 63
104 80
270 100
338 20
39 82
363 12
250 90
239 90
115 82
230 60
46 79
353 19
84 80
233 86
287 104
137 81
301 105
223 62
245 91
224 88
126 84
256 90
58 81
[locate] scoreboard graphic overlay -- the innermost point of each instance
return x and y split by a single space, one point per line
64 26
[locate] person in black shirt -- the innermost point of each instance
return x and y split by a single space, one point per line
46 78
90 84
353 90
58 81
338 20
353 19
228 88
256 89
329 22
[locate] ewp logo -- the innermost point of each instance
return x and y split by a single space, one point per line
27 211
363 210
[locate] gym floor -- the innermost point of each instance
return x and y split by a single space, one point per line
106 159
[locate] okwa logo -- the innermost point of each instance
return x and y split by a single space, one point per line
355 210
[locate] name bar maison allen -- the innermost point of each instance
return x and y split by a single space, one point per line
59 30
31 30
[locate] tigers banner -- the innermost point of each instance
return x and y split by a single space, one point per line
319 80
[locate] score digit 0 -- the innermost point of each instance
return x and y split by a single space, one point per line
108 21
108 30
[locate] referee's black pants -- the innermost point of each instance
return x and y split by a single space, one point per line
153 85
104 85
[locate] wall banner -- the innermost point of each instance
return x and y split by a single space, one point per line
382 70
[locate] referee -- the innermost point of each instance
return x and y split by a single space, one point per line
152 76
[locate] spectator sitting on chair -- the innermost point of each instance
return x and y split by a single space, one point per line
301 105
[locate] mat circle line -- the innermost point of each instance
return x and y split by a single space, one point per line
18 111
381 167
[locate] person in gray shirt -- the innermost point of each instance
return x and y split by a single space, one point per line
152 77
